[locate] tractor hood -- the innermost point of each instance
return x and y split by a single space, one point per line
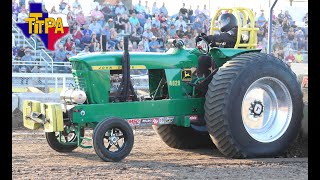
173 58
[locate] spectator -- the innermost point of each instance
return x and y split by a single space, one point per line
139 8
107 12
81 20
77 35
305 19
22 3
134 37
135 23
124 21
179 33
105 39
119 46
155 31
132 10
77 10
205 11
155 9
147 34
75 5
66 61
148 24
298 57
68 44
15 10
66 10
71 21
59 58
120 9
85 50
95 27
142 19
172 31
147 11
62 5
190 15
285 25
85 41
53 10
86 30
197 11
22 16
145 43
291 36
197 25
189 32
201 17
288 16
154 45
280 17
94 41
164 10
290 57
183 11
73 51
28 60
180 23
156 21
110 23
140 47
261 19
96 14
114 35
301 39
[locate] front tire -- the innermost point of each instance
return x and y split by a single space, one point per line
253 107
53 140
113 139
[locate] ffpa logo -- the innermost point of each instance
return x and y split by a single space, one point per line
47 28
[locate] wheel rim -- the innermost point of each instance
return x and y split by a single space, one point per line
266 109
66 137
114 140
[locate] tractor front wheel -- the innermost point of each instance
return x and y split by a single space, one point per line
113 139
66 137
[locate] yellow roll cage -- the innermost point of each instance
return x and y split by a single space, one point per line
243 28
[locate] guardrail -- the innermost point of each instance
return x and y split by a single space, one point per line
59 81
34 47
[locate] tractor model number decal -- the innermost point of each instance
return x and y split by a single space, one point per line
117 67
151 121
174 83
186 75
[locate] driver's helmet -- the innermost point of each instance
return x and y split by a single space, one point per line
227 21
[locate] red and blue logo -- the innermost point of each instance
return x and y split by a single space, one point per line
47 28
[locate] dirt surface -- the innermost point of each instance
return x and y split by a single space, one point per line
150 158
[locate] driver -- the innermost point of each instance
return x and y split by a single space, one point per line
227 38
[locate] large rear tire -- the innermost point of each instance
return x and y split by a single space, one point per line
253 107
181 137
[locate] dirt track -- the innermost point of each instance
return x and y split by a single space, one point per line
150 158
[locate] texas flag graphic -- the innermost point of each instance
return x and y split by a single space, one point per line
47 28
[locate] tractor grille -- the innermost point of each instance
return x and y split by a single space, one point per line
80 82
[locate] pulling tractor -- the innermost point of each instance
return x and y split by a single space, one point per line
244 102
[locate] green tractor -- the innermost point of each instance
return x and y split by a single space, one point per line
248 104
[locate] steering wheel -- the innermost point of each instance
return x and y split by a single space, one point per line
203 46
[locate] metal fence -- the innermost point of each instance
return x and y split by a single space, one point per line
48 82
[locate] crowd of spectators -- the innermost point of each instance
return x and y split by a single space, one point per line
288 39
149 29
